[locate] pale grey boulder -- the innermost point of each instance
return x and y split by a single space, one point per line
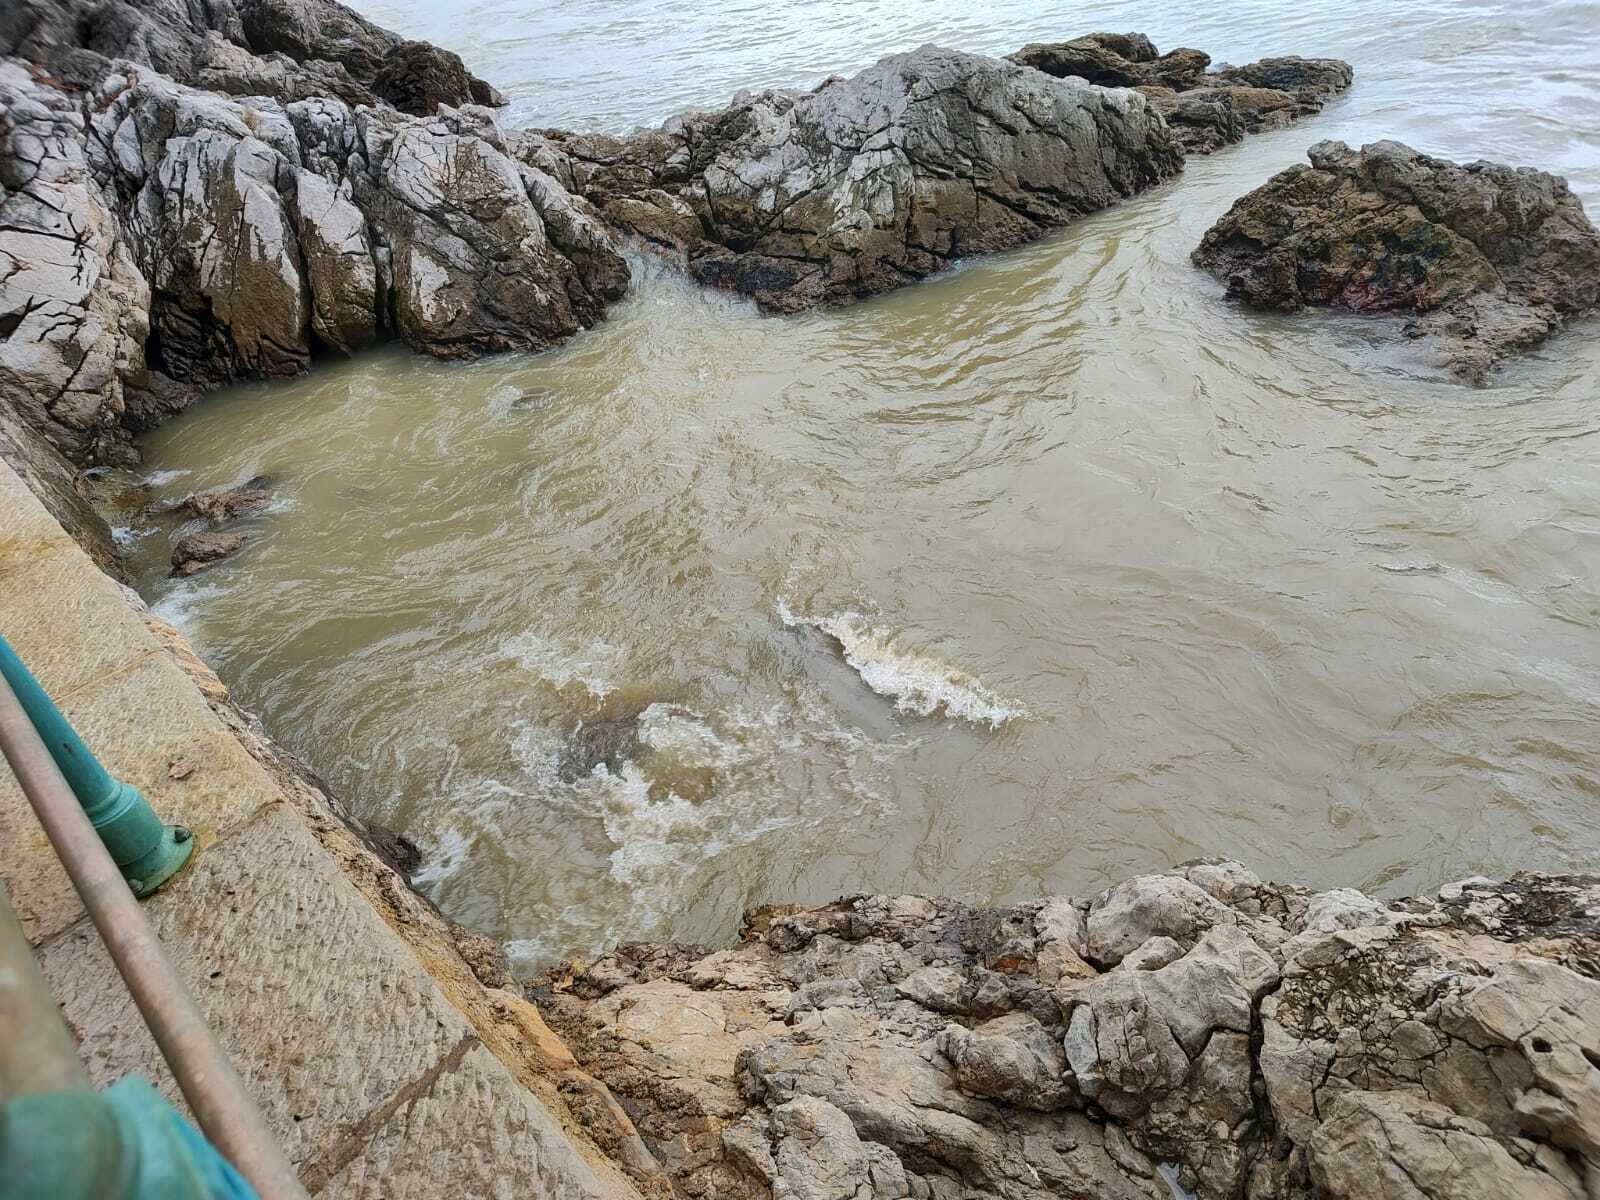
484 253
202 181
807 199
341 273
73 302
286 49
1297 1047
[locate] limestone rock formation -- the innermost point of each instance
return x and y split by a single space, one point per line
864 184
1488 259
72 301
1215 1036
1206 110
287 49
161 240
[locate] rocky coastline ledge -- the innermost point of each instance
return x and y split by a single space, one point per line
1194 1033
193 194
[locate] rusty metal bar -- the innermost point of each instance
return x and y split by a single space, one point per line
216 1095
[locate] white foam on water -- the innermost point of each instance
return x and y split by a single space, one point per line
592 668
684 735
919 683
444 859
161 478
183 605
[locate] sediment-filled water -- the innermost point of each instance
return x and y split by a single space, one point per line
1051 569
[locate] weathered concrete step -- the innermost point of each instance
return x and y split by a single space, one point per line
372 1080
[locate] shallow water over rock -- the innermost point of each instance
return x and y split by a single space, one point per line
1048 570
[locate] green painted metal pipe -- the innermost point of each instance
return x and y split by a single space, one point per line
147 852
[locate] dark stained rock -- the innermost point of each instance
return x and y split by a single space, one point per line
246 500
865 184
1116 60
417 78
60 487
1487 258
1207 110
1311 81
199 550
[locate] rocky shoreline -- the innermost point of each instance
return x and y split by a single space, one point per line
1194 1033
192 195
196 194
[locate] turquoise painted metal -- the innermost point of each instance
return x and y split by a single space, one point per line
147 852
125 1143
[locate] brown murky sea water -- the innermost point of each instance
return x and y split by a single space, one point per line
1052 569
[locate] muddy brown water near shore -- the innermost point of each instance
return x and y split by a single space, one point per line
1046 571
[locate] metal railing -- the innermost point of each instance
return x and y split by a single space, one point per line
148 855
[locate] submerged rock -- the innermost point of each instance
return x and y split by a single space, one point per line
803 199
200 550
1488 259
1205 110
1266 1043
248 499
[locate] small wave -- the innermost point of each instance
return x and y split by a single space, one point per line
184 604
159 478
919 683
592 668
443 860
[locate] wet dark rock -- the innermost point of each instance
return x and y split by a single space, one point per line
806 199
1488 259
246 500
1206 109
199 550
418 78
1267 1043
1116 60
396 849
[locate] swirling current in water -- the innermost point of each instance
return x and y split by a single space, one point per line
1052 569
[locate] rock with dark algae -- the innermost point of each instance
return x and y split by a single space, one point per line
1205 109
1488 259
1196 1032
805 199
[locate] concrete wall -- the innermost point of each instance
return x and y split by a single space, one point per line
383 1063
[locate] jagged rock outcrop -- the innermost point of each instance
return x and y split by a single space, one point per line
160 240
72 301
1197 1030
286 49
864 184
1488 259
1206 110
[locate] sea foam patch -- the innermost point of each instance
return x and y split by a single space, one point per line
918 683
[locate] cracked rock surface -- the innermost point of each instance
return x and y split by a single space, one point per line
157 240
1197 1032
1488 259
287 49
804 199
1205 109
